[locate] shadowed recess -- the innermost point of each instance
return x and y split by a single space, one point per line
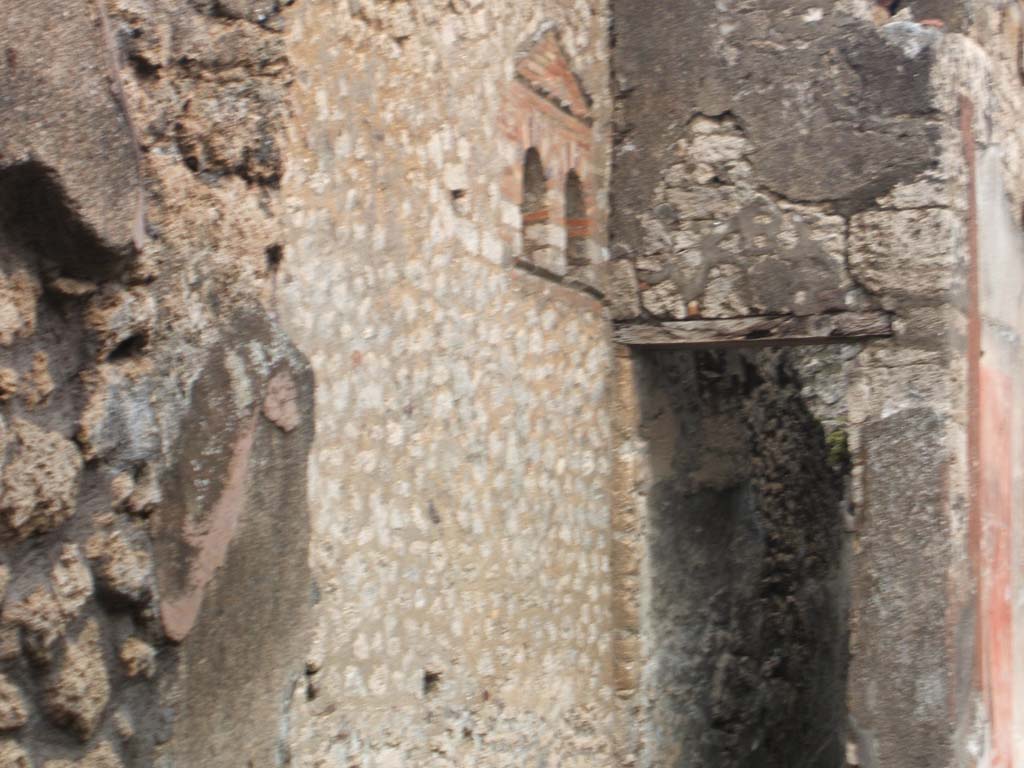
748 604
35 212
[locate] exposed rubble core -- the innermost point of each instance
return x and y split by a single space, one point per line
720 246
107 268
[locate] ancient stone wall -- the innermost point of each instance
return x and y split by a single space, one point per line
459 475
807 160
758 165
154 421
315 448
156 467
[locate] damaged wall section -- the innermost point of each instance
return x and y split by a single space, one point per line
801 158
736 172
154 420
465 600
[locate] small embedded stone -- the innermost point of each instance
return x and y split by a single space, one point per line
12 755
72 288
123 568
39 616
40 481
455 177
5 580
663 300
19 293
44 611
71 580
233 129
38 383
8 383
10 642
117 316
13 709
77 693
123 725
118 412
121 487
138 658
146 493
666 213
623 290
279 406
103 756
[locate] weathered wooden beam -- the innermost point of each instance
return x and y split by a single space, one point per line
757 331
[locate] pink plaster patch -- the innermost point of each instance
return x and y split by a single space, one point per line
996 464
280 403
210 538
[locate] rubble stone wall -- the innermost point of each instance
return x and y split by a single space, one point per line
460 473
154 420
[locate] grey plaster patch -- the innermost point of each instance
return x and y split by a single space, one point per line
912 39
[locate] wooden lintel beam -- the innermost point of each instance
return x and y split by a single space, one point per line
834 328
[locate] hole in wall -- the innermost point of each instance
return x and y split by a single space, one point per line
275 255
312 687
460 201
576 224
128 348
431 681
36 214
144 68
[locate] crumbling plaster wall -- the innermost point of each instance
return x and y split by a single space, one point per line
729 173
822 142
463 613
463 608
154 421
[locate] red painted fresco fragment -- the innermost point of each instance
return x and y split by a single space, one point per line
996 510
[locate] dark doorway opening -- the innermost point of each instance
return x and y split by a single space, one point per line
748 606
